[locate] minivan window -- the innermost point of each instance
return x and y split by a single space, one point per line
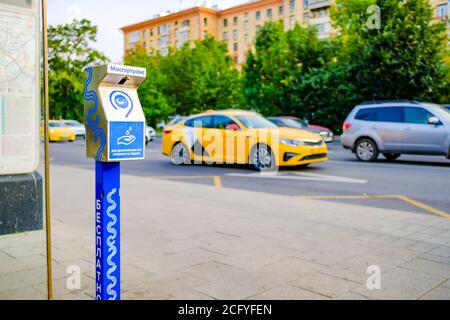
389 114
417 115
200 122
364 114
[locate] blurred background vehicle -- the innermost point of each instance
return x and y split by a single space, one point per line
150 134
77 127
58 131
296 123
397 127
264 149
447 106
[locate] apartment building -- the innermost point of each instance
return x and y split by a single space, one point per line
237 26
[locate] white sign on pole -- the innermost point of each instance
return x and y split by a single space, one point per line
19 86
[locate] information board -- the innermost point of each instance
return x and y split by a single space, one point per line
19 86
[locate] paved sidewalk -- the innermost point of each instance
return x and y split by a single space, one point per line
185 241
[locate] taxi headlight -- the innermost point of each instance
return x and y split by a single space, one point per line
292 143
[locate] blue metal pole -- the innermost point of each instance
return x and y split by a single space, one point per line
107 230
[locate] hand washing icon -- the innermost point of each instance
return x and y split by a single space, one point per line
127 139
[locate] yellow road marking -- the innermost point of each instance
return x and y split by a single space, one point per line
413 202
217 179
218 182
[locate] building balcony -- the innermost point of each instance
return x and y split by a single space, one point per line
316 4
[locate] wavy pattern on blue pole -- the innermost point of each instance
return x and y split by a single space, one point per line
92 117
111 243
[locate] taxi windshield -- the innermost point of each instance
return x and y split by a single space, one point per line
256 122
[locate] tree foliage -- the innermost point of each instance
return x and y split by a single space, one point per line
197 77
295 73
69 51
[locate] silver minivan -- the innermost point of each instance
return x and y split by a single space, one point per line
397 127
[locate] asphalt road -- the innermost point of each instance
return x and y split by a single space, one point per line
422 182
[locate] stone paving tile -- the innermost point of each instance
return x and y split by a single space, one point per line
28 293
22 279
213 270
351 296
291 268
423 247
446 284
428 267
435 258
288 292
400 284
228 245
326 285
178 260
63 292
443 251
237 287
439 293
258 257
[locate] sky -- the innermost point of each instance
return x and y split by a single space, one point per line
111 15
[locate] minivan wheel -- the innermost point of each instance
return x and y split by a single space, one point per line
366 150
391 156
180 154
262 159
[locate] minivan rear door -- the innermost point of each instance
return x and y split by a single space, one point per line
419 135
388 123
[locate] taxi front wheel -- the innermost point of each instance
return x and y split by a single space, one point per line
262 159
180 154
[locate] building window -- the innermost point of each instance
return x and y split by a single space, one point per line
225 36
258 27
281 10
292 5
246 38
133 39
182 38
246 15
186 23
305 17
235 35
292 21
269 13
235 21
151 32
225 23
246 24
235 47
164 51
442 10
144 34
258 15
205 22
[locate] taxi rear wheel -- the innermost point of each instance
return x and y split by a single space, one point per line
262 159
180 155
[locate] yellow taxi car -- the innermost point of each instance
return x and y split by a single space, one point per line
58 131
241 137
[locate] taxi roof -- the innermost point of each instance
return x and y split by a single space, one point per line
232 112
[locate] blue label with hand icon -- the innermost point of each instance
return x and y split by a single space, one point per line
126 140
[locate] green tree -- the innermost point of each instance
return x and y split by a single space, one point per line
69 51
201 76
153 100
403 59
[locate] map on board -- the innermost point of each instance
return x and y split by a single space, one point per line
19 77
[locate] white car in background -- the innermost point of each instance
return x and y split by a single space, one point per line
150 134
77 127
